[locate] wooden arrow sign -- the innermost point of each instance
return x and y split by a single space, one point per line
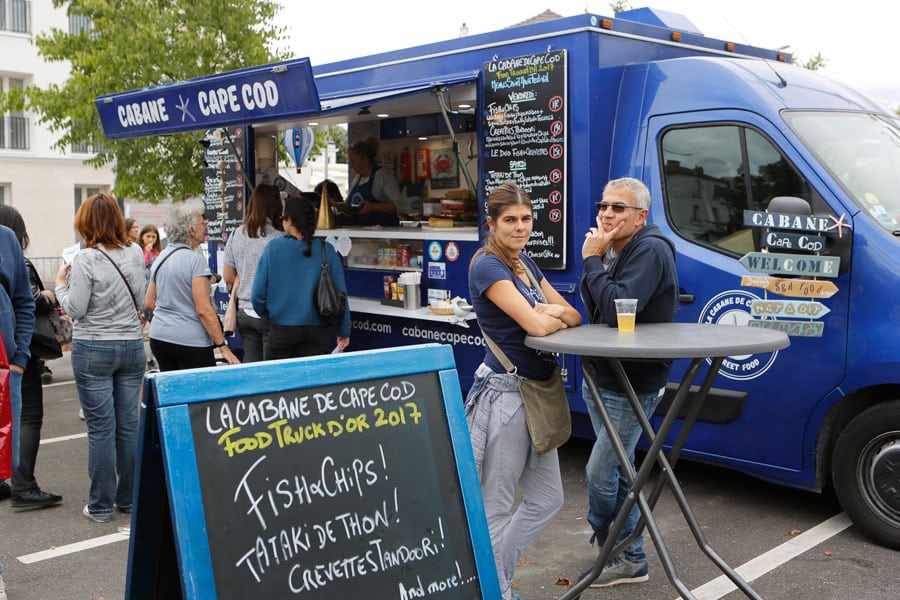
791 264
794 309
795 288
794 328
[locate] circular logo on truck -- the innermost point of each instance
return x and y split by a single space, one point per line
733 308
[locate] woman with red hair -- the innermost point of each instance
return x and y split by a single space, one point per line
103 290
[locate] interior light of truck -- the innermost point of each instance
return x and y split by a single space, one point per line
729 46
676 36
382 115
606 23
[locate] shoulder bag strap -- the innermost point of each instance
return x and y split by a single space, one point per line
165 258
534 282
122 275
500 354
324 264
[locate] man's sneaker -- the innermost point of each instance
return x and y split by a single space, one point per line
32 499
5 490
96 518
619 571
2 589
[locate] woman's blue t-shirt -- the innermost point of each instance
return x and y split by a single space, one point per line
500 327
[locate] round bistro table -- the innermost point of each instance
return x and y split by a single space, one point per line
658 341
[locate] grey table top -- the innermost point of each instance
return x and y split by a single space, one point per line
661 340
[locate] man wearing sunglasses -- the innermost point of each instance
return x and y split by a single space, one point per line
624 257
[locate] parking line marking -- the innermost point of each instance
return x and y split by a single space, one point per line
774 558
72 548
59 383
64 438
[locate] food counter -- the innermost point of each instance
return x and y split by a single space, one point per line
440 255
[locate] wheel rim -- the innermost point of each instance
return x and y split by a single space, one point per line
880 475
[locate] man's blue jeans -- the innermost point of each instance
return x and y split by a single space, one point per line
108 376
607 484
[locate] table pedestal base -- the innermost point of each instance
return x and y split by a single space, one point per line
666 475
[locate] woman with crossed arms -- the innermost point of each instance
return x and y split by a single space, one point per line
509 308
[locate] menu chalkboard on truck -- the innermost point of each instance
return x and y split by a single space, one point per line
339 476
224 187
525 140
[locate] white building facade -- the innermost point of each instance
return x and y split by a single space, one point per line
46 185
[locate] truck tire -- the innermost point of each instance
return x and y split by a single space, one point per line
865 469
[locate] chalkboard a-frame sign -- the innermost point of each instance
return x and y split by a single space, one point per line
340 476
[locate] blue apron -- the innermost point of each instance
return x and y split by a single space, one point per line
363 192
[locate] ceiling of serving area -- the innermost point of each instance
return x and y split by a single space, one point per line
419 103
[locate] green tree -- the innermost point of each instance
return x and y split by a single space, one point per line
620 6
335 134
133 44
813 63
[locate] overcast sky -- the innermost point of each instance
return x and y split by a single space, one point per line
854 37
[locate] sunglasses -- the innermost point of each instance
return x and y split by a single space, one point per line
616 208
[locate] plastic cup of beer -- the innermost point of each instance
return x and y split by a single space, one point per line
626 308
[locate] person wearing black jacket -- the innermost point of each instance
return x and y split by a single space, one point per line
26 493
624 257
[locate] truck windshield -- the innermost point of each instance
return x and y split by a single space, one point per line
862 152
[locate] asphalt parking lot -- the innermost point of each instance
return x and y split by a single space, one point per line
789 544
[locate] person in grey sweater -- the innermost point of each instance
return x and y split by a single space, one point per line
102 290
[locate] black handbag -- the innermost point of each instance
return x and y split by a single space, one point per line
44 338
330 302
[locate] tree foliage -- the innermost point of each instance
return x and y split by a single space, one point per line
335 134
134 44
813 63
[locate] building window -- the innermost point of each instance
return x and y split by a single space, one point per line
85 148
83 192
14 126
4 194
79 23
15 15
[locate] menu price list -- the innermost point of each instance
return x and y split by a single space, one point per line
525 140
224 185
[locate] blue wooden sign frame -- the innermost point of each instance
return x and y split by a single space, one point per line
169 503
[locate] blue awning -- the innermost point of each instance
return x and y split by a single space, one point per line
264 93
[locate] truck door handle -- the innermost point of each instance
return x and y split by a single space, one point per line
686 298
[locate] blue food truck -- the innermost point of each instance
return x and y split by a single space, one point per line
778 186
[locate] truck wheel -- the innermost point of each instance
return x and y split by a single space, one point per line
865 469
